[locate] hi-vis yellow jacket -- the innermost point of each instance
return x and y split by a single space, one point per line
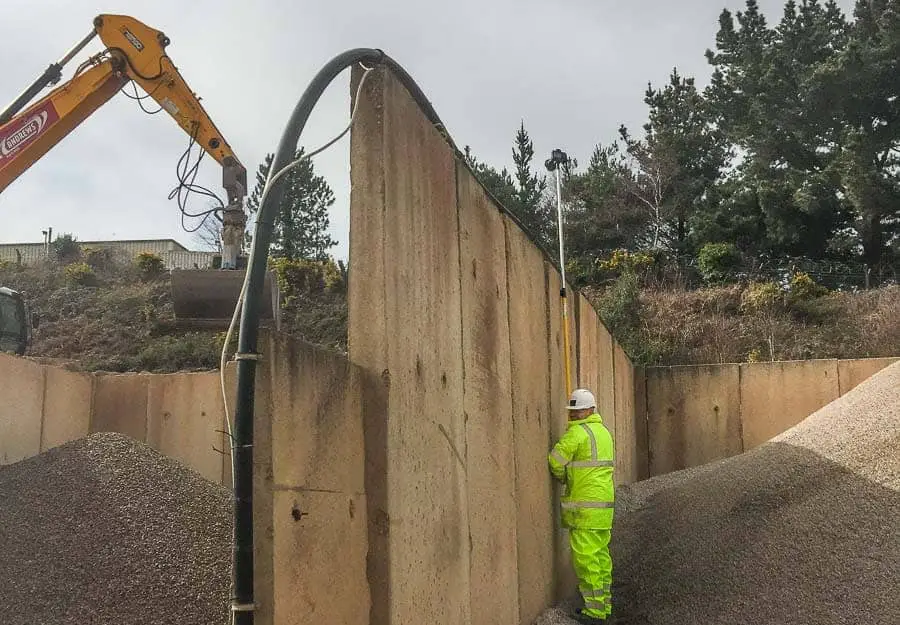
584 459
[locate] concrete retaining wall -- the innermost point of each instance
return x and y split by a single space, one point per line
46 406
313 411
697 414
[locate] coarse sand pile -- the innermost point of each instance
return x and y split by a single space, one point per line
105 530
804 530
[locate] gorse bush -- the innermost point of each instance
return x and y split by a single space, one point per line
80 274
804 288
605 269
99 258
620 261
761 297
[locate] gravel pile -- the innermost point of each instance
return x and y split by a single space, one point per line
802 530
105 530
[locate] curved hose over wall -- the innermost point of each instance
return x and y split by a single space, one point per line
242 437
246 356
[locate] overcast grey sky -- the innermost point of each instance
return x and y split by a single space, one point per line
573 71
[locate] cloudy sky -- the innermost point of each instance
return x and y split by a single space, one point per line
573 71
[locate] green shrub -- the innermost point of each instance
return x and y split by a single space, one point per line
149 265
99 258
620 309
81 274
299 276
620 306
335 276
65 249
718 261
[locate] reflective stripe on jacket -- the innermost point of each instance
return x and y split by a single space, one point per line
584 459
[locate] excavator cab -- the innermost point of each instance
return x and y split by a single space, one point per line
16 322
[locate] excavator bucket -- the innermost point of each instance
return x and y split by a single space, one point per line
205 298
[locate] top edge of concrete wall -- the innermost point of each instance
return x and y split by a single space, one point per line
550 256
764 363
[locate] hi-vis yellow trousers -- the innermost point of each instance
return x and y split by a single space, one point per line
593 567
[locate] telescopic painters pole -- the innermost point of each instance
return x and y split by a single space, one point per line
557 159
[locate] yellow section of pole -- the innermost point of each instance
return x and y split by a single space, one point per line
566 352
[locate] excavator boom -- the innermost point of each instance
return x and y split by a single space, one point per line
133 51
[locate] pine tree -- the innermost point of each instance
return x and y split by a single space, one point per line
532 205
302 221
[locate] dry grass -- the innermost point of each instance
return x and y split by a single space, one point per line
123 324
711 326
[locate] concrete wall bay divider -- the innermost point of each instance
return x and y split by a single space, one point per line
313 467
702 413
458 311
45 406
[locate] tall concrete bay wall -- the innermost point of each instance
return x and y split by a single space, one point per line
458 310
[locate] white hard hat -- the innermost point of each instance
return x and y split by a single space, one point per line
581 398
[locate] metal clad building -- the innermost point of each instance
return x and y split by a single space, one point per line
173 254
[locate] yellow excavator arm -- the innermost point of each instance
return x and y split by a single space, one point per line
133 51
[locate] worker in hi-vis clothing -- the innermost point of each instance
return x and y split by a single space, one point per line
583 459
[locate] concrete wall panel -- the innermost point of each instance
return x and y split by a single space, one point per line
776 396
642 442
313 486
628 453
606 391
319 551
419 351
366 283
120 404
317 426
588 346
564 574
853 372
22 393
487 402
184 420
693 415
528 336
67 406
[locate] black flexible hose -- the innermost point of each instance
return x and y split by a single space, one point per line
246 355
249 331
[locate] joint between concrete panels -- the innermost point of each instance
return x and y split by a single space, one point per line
43 408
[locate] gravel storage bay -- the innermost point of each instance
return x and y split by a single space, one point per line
804 530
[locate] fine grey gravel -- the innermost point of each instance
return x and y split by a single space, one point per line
804 530
105 530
